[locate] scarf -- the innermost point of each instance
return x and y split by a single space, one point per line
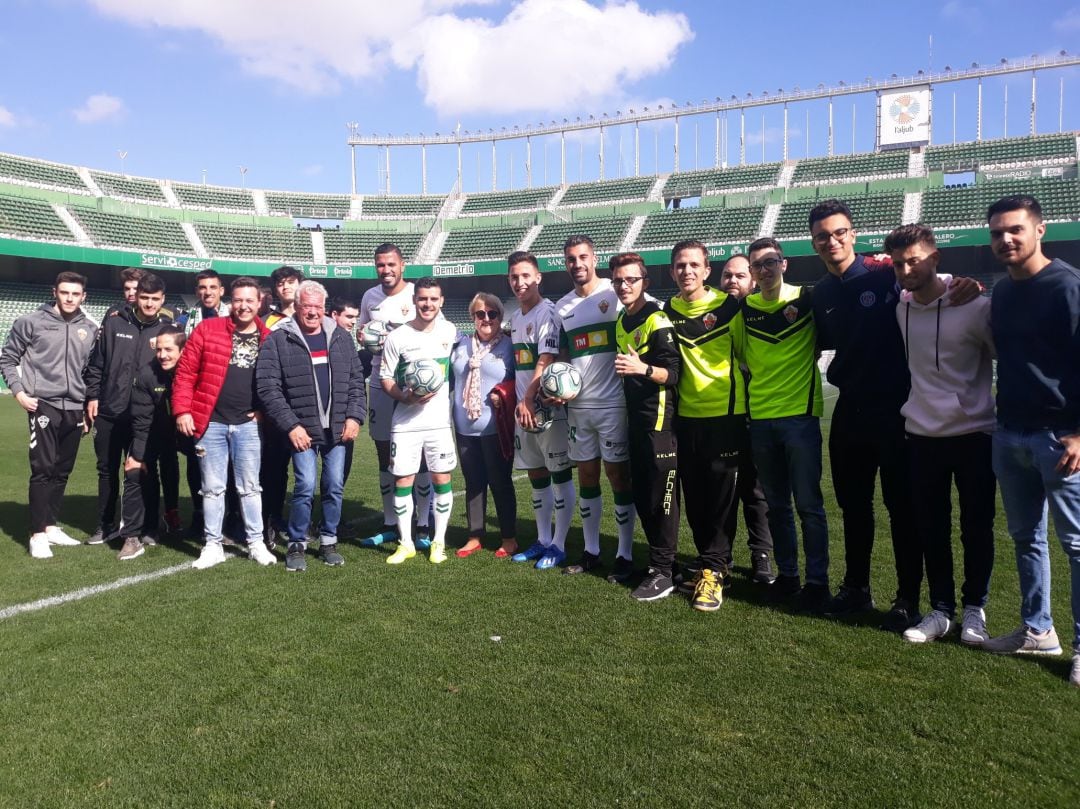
471 397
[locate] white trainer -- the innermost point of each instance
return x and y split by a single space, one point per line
257 551
973 630
1074 673
212 554
57 536
933 625
39 546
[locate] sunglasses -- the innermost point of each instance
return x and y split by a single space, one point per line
485 314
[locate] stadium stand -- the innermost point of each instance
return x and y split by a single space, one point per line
132 231
607 234
278 244
871 212
699 183
218 197
835 169
631 188
457 312
23 216
967 156
42 173
709 224
508 200
311 206
115 185
358 246
482 243
966 205
400 207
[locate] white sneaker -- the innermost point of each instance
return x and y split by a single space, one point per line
1025 641
257 551
39 546
58 537
933 625
212 554
973 631
1074 673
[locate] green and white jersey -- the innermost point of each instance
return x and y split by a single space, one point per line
710 338
780 353
404 345
587 326
532 334
390 310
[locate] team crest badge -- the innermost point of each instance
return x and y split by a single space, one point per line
405 310
43 422
791 312
709 320
529 330
603 307
82 333
153 343
868 299
637 336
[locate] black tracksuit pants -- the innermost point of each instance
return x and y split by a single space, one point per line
654 472
54 445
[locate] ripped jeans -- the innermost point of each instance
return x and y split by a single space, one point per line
218 445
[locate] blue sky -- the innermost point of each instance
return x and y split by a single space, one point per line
188 85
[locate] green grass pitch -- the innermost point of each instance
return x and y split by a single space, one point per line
483 683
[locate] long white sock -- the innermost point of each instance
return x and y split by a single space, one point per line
543 506
386 489
423 500
625 517
564 500
444 502
403 513
591 505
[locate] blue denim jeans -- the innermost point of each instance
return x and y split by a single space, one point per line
787 453
1025 461
218 445
332 486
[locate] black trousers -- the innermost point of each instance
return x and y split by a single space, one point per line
484 467
54 445
654 472
936 463
755 510
274 474
709 450
112 437
862 443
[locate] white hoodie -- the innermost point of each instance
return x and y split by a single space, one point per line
949 351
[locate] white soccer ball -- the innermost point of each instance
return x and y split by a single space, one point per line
424 376
373 335
542 416
561 380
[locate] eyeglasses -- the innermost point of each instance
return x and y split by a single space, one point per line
485 314
770 264
839 234
625 282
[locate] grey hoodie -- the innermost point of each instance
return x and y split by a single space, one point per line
44 356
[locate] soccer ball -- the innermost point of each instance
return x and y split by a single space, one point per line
373 335
542 416
561 380
424 376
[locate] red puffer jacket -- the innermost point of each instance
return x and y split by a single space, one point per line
202 368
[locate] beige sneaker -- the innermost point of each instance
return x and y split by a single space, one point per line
132 548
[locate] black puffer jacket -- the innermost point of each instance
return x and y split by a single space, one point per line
124 346
286 386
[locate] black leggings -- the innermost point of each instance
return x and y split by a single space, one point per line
484 466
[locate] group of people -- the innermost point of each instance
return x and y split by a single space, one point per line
709 400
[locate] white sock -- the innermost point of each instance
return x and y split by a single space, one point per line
403 512
444 502
625 517
386 489
564 500
423 500
543 505
591 508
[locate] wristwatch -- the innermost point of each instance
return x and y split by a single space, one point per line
648 370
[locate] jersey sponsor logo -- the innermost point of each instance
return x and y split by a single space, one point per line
791 312
592 339
523 356
709 320
868 299
121 335
603 306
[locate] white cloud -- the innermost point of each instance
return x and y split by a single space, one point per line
99 107
7 118
543 55
313 170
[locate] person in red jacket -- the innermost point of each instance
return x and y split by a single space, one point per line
214 402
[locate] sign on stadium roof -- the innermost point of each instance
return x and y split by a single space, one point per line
904 118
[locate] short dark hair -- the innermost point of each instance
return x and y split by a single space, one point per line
174 331
620 260
830 207
338 304
150 284
131 274
689 244
244 281
519 256
574 241
68 277
202 276
388 247
281 273
907 235
427 282
1017 202
764 243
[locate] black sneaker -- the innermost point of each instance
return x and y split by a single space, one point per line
812 599
622 571
654 586
586 564
784 588
295 561
330 555
195 530
149 540
102 535
903 615
849 600
687 580
762 568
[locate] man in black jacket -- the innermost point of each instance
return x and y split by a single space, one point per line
311 387
153 433
124 346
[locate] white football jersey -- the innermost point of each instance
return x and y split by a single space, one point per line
532 334
390 310
587 326
402 346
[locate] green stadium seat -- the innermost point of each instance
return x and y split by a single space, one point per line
25 216
115 185
607 234
871 212
630 188
494 201
309 206
358 246
699 183
403 207
39 171
247 241
480 243
960 157
966 205
707 224
212 196
132 231
835 169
